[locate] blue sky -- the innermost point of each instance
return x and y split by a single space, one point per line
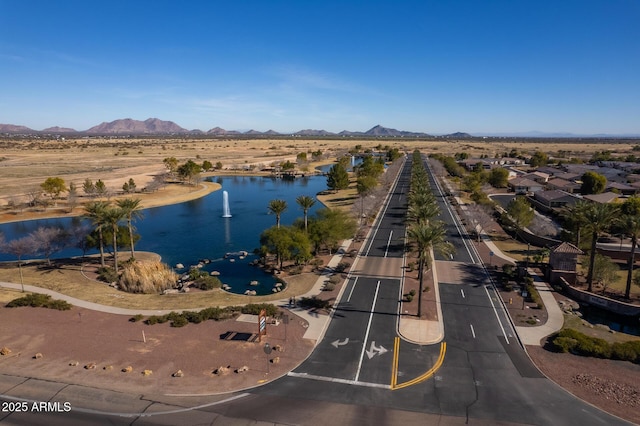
429 66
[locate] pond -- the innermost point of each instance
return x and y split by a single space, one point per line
189 232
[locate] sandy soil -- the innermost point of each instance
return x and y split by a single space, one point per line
114 343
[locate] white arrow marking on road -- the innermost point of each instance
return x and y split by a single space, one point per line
337 343
375 350
462 291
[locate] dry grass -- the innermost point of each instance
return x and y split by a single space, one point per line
147 277
69 280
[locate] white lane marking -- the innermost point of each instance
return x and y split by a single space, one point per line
495 311
462 291
473 332
352 288
388 243
366 335
337 380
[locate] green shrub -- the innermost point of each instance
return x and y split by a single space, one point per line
314 303
341 267
37 300
408 297
255 308
191 316
153 319
179 321
329 286
136 318
412 292
626 351
569 340
208 282
107 275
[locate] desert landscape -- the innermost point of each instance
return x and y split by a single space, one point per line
26 163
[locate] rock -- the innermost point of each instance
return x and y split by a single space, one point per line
215 273
178 373
603 327
147 372
179 266
128 369
37 356
90 366
221 371
242 369
108 367
278 348
74 363
5 351
185 290
275 360
170 291
232 260
254 282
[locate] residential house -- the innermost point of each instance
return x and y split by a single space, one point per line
523 186
604 198
563 185
554 199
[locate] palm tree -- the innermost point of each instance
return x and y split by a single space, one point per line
427 238
277 207
305 202
95 211
599 218
575 215
112 218
631 223
131 209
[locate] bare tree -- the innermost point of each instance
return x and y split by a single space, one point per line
19 248
48 241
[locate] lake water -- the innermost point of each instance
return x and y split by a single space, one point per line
188 232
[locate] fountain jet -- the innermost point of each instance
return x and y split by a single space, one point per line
226 212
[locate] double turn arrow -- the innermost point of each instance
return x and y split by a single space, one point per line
373 350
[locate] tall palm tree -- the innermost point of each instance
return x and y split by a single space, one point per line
632 229
631 224
277 207
131 209
305 202
95 211
427 238
112 218
599 218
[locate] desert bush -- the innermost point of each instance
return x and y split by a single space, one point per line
314 303
192 316
569 340
329 286
626 351
341 267
107 275
255 308
147 277
208 282
37 300
136 318
179 321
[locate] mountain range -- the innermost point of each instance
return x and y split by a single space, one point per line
155 126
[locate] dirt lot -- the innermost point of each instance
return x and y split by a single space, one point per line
114 343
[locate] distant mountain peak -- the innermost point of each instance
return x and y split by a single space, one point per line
130 126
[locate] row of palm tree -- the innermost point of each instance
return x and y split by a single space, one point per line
278 206
598 219
425 233
105 216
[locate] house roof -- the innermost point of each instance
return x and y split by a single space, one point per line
566 247
522 181
554 194
562 183
605 197
620 186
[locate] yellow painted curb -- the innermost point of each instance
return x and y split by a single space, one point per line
419 379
